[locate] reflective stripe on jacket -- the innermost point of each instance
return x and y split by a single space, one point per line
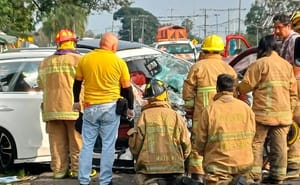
56 79
274 89
199 87
225 135
160 141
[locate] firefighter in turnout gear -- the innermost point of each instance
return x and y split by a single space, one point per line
160 140
274 87
296 22
225 135
289 50
199 88
56 75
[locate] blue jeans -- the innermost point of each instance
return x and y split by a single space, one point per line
98 119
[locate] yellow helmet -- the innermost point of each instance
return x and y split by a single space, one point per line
296 21
295 18
155 90
65 39
213 43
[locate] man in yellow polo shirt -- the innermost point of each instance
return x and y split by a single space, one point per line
105 75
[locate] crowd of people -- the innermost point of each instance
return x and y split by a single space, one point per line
225 145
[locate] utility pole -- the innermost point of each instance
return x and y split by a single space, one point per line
217 24
239 24
143 28
222 10
131 29
171 10
205 16
228 24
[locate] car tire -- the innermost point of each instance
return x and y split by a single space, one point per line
8 149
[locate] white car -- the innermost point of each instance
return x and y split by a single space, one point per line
181 48
22 132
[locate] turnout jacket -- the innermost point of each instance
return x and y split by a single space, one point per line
274 87
199 87
225 135
160 140
56 78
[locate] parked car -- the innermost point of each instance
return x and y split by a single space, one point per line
22 132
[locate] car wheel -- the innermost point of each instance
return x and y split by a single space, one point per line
7 149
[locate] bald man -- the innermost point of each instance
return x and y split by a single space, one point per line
105 75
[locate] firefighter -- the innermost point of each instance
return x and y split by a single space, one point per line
296 22
225 135
274 87
199 88
290 51
56 75
160 140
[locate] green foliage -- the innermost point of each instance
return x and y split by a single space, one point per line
67 16
138 23
259 18
16 17
19 17
188 24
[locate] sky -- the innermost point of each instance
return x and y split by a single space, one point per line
216 11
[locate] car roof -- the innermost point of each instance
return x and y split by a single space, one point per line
94 43
126 50
238 58
28 53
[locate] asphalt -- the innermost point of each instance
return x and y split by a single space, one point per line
119 178
46 179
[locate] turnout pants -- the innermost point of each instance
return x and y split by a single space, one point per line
65 144
277 157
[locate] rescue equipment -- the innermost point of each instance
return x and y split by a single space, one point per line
293 134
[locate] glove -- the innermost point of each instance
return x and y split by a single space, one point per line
130 114
76 107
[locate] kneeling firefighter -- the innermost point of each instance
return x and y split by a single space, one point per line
160 141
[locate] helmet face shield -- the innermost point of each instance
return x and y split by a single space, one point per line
155 89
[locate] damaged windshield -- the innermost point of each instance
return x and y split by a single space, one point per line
173 71
164 67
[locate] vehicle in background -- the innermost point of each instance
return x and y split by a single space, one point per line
173 39
6 41
22 130
181 48
234 45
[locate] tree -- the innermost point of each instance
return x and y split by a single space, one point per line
259 19
67 16
188 24
89 33
16 17
19 17
137 24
